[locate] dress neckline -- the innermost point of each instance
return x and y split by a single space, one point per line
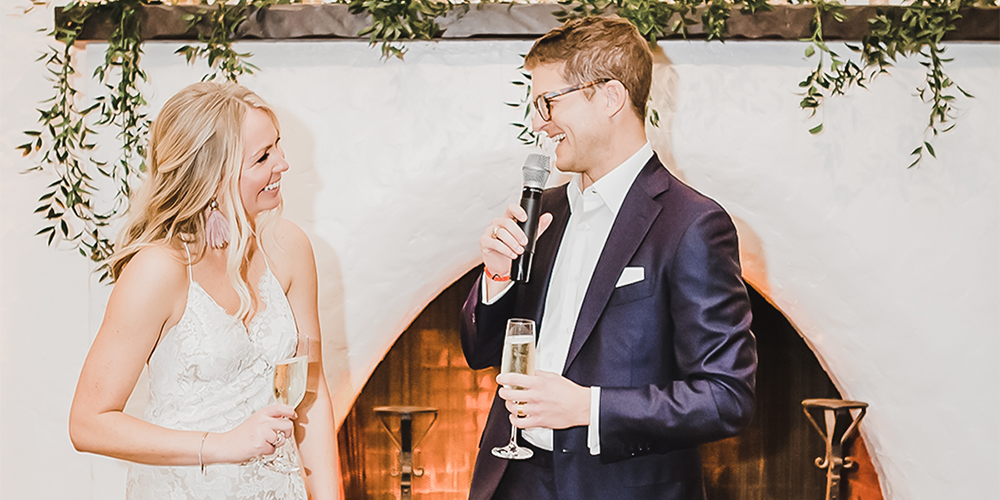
260 289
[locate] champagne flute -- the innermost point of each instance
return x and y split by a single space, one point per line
518 357
290 379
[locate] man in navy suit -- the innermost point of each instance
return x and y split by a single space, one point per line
644 346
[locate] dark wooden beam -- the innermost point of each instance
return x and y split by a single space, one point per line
525 21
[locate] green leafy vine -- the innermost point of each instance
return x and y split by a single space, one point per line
123 106
526 134
920 30
62 146
395 20
917 30
841 73
222 19
64 141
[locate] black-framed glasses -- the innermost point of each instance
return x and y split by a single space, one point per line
543 103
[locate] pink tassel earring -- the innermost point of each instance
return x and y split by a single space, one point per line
216 227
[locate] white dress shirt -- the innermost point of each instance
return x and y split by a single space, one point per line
592 213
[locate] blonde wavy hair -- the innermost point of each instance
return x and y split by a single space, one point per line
195 156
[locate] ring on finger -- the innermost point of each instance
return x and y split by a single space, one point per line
520 410
495 232
278 437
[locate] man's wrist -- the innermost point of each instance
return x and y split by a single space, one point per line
496 276
491 291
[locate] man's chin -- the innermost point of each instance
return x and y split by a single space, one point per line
565 164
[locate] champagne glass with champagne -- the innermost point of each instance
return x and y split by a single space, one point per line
290 378
518 357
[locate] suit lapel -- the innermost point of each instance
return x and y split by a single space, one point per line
634 219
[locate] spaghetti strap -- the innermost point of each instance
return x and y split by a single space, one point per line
188 252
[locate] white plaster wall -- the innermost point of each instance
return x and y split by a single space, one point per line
890 274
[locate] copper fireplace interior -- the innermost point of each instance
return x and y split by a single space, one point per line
772 460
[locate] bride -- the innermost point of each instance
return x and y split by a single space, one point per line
212 288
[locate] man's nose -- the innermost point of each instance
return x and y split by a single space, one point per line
537 123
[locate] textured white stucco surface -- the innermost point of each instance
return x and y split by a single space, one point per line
890 274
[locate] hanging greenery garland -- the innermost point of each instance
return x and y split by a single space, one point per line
917 30
64 140
222 19
63 144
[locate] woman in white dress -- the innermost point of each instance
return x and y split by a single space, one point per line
212 288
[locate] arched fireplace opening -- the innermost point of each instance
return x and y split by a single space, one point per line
772 460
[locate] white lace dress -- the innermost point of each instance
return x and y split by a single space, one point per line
208 373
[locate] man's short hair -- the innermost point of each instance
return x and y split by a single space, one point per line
598 47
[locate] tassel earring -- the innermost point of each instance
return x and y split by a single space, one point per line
216 227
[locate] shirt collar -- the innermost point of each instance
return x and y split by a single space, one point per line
614 185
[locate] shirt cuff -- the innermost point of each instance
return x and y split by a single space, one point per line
594 431
482 292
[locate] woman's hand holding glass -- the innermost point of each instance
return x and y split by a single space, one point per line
255 437
289 383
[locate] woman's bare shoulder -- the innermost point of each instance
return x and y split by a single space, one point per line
155 268
287 241
290 251
150 294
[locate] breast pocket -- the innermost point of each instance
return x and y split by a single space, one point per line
633 292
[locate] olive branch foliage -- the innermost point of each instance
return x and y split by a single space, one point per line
64 142
396 20
917 30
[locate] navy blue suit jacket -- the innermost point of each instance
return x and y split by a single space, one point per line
673 353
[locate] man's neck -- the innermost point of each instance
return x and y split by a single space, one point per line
619 149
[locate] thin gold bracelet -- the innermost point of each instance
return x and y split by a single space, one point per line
201 447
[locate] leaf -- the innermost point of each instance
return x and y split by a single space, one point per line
810 50
930 149
816 130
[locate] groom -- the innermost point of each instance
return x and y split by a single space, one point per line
644 346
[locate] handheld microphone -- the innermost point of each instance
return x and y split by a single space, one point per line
536 172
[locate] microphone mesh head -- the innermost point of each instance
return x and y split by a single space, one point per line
535 171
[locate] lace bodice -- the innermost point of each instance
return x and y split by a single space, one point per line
210 373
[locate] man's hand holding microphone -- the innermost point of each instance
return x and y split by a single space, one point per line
508 243
507 246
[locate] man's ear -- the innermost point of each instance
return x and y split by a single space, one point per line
617 97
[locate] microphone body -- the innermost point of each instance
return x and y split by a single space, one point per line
531 202
536 172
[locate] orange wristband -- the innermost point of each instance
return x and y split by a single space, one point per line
495 277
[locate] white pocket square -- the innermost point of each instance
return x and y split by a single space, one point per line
630 275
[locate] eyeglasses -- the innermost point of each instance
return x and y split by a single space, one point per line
543 103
